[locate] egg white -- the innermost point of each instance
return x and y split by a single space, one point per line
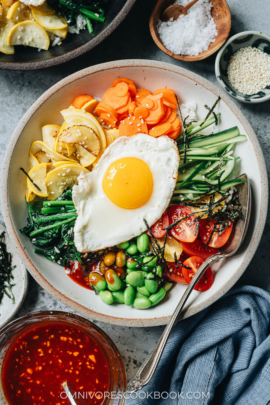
101 223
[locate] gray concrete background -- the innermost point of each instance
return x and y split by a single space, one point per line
18 91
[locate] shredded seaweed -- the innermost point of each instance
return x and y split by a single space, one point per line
6 269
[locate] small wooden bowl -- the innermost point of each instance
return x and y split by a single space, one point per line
221 14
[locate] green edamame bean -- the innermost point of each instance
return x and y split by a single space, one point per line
120 259
135 278
138 295
97 281
157 297
150 261
132 264
167 286
143 291
142 243
106 296
129 295
159 271
123 245
142 303
118 296
150 284
109 258
132 250
113 281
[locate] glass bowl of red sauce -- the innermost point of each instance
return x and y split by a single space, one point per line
41 351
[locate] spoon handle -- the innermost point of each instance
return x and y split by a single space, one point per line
147 370
189 5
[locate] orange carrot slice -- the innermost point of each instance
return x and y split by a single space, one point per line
80 100
174 134
131 86
147 103
141 95
103 108
113 100
131 107
123 116
161 129
141 112
132 126
169 97
109 120
155 115
155 97
121 89
176 124
167 113
172 116
125 108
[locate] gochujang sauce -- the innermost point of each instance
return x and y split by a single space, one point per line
48 355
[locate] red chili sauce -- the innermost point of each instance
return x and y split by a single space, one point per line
48 355
77 273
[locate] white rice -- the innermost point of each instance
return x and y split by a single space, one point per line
80 25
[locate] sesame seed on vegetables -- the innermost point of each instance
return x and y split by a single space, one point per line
249 70
190 34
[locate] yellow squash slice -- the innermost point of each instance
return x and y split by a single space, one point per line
82 135
62 177
113 132
32 161
29 33
42 157
29 196
19 12
64 162
86 158
59 33
74 116
205 200
5 28
7 3
38 174
54 156
90 106
44 9
50 22
49 132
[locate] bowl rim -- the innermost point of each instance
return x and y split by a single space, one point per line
217 67
117 65
57 60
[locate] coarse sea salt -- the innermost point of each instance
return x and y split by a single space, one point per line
190 34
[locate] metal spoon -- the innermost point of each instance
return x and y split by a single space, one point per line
147 370
68 393
175 11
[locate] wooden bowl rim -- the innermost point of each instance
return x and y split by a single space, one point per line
187 58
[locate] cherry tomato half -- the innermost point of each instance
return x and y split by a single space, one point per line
174 273
206 227
185 231
158 228
206 281
198 248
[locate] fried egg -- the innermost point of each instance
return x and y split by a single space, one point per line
134 180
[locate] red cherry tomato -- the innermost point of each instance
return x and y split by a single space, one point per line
206 281
158 228
197 248
185 231
174 273
206 227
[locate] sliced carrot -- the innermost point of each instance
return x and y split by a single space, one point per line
132 126
161 129
131 107
155 115
80 100
141 112
113 100
125 108
169 97
172 116
103 108
131 86
154 97
121 89
109 120
132 90
176 124
142 93
148 103
174 134
167 113
123 116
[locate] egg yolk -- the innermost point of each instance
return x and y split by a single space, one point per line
128 183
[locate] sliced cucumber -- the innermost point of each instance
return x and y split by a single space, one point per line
240 138
213 139
196 127
201 151
190 174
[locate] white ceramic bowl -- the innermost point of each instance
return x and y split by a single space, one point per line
96 80
244 39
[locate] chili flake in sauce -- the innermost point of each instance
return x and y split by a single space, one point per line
48 355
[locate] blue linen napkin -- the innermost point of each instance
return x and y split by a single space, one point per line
220 356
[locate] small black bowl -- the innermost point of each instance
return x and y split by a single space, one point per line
27 58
